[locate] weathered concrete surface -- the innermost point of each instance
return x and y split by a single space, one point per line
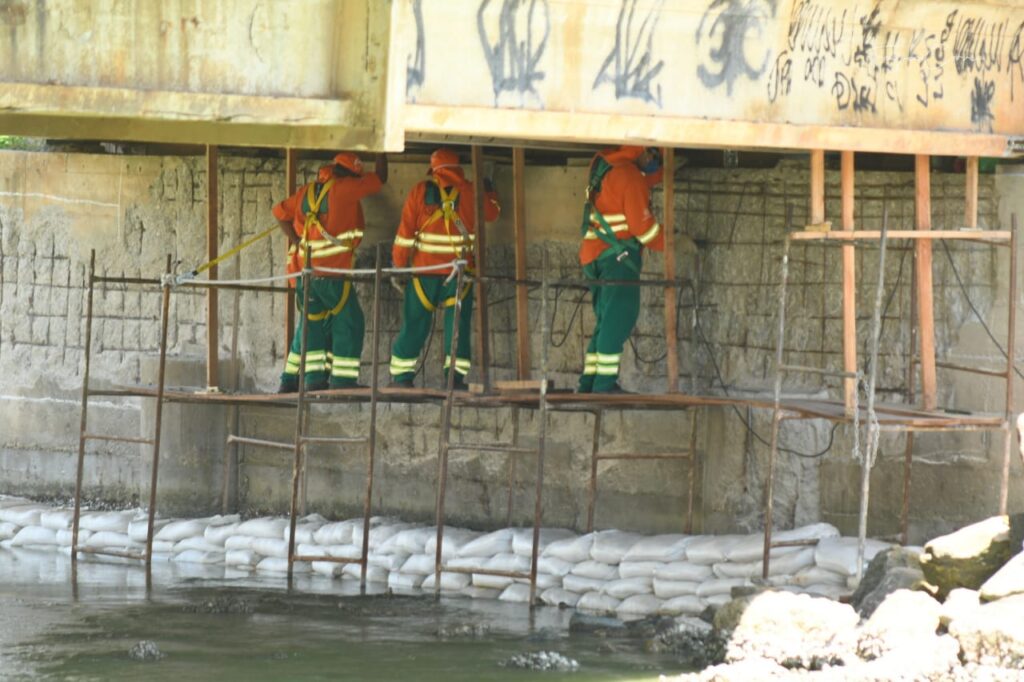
55 207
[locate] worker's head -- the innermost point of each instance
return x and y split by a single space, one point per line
347 164
445 168
324 174
649 160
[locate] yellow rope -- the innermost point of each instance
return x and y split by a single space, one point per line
249 242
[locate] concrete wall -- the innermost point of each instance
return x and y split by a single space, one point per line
55 207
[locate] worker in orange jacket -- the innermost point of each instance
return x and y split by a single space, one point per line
617 226
326 217
437 228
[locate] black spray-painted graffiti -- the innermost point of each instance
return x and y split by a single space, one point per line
1015 60
415 66
981 104
729 29
630 65
512 57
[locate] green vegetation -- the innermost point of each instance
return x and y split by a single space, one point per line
19 142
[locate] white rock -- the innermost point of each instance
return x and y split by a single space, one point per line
904 619
992 634
960 602
1006 581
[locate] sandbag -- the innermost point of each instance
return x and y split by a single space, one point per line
30 536
57 519
751 548
174 531
684 605
109 539
197 542
305 529
195 556
8 530
812 575
470 562
420 564
344 552
670 589
662 548
330 569
517 593
241 557
556 596
600 603
237 542
716 586
785 565
627 587
718 600
310 549
138 528
544 581
684 570
840 554
522 539
273 564
833 592
554 566
639 569
493 582
111 521
272 547
392 562
409 541
476 592
405 581
218 535
611 545
449 581
596 570
374 574
266 527
454 540
64 537
573 550
336 533
712 549
23 515
581 585
498 542
639 605
379 533
159 547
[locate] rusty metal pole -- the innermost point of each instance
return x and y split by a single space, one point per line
691 474
371 450
483 337
291 162
212 247
446 425
1011 341
776 415
85 409
538 505
671 291
908 450
512 465
300 409
158 422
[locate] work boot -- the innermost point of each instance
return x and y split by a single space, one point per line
321 385
459 384
345 383
289 384
401 383
615 389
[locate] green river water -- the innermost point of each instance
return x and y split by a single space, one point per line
319 630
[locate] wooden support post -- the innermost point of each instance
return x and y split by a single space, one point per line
817 208
849 285
923 284
291 161
212 241
483 345
971 193
522 291
671 310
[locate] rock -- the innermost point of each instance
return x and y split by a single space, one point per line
1006 581
583 622
694 641
993 634
905 620
542 660
931 658
220 606
968 557
145 650
794 630
960 602
741 671
883 563
895 579
644 628
463 631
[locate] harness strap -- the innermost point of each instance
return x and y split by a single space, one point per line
345 292
446 303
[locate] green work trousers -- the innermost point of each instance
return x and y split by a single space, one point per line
335 326
616 308
423 295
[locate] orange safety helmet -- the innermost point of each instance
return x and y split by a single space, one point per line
350 161
443 158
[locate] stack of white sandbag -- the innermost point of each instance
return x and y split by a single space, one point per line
607 571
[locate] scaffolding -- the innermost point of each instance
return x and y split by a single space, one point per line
534 394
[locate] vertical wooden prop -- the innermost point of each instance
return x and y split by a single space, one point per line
671 310
817 207
971 193
522 290
923 250
291 161
483 339
849 284
212 235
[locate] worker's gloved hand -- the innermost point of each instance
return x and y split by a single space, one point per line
398 283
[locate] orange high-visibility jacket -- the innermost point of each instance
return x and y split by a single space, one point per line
337 227
427 236
625 203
